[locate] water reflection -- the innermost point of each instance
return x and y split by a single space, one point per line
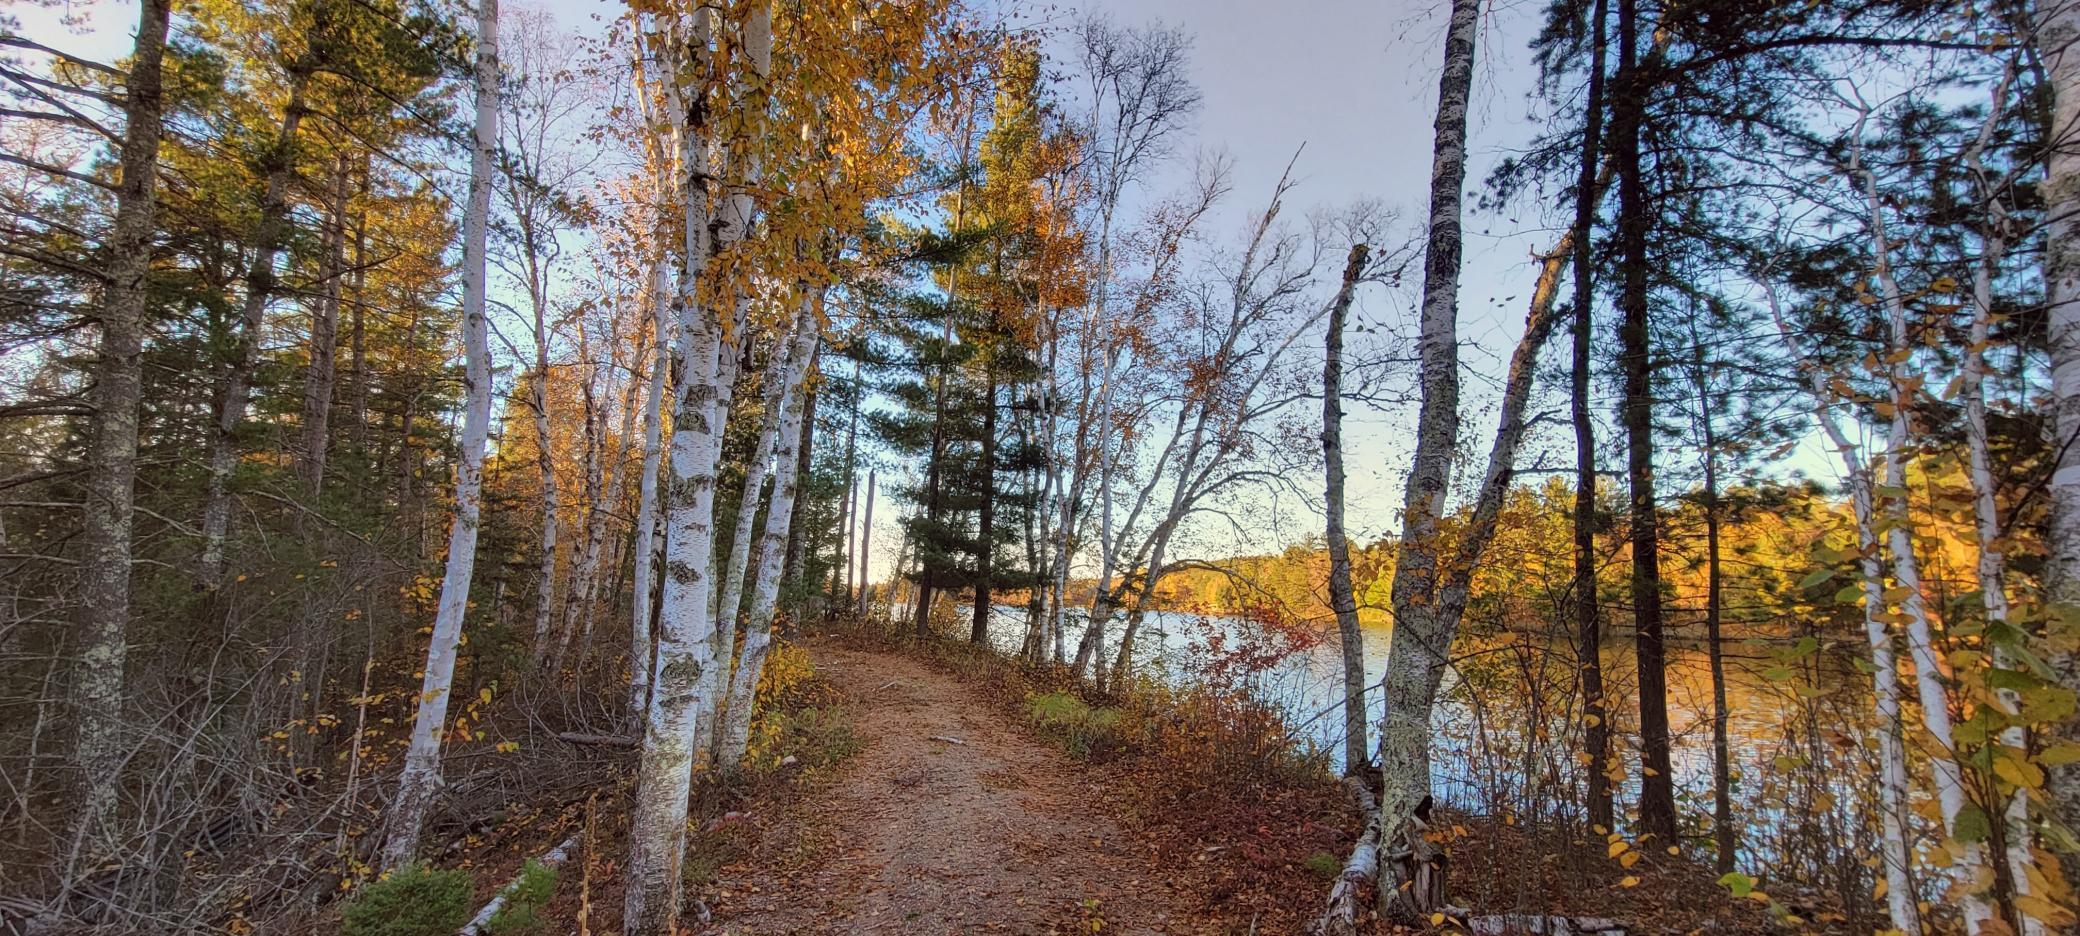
1505 729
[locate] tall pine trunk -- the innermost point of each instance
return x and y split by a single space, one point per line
235 390
104 589
986 516
421 776
323 374
1588 618
1723 832
1657 803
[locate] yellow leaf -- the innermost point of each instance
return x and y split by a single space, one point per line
1619 847
1628 859
1629 881
1437 919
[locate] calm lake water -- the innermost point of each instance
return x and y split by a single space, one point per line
1503 737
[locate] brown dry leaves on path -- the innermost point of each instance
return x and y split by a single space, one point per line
999 833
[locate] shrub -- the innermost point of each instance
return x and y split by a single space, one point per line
1086 732
522 913
411 901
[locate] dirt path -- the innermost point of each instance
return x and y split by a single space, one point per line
922 835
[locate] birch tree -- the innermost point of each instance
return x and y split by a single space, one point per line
734 715
2056 27
420 778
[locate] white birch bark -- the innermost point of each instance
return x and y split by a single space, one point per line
685 625
545 454
1895 852
773 396
98 683
322 375
1992 563
640 650
1422 638
1951 794
2057 29
421 776
592 466
735 714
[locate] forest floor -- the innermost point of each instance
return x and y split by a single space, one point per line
952 819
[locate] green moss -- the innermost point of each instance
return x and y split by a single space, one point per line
411 901
1085 731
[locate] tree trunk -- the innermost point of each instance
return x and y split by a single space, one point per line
1342 598
1588 619
104 589
1723 833
585 563
1422 637
685 628
233 394
639 659
735 721
421 776
866 532
1657 804
986 517
2057 30
323 373
1895 849
1951 794
773 397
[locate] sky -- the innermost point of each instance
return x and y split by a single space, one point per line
1351 85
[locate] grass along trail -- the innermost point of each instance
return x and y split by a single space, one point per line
950 820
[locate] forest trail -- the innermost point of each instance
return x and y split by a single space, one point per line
998 833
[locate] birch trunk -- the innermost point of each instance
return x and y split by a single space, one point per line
233 394
98 684
735 713
1342 599
782 373
1992 564
592 459
1951 794
1895 851
773 396
640 649
1422 636
421 776
685 626
545 454
2057 29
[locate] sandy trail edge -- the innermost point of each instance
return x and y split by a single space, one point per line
917 835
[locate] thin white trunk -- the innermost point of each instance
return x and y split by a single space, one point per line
1895 852
421 776
639 660
1423 631
1934 695
685 631
735 730
1992 558
2057 29
1342 599
322 375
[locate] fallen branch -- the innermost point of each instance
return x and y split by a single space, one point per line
579 737
548 859
1340 918
946 739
